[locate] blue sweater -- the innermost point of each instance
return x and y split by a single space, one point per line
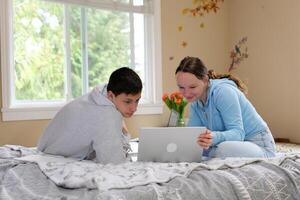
227 113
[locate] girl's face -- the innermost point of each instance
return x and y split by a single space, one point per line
191 87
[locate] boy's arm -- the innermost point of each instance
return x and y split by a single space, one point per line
126 139
108 143
124 128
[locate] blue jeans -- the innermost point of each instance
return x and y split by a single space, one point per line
260 145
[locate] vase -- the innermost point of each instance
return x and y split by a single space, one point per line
180 122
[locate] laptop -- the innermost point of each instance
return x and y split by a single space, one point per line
170 144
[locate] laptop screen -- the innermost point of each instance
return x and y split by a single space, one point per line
170 144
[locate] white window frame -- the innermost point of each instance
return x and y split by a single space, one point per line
12 112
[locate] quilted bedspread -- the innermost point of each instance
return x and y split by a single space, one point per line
28 174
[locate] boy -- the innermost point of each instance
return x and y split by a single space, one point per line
90 127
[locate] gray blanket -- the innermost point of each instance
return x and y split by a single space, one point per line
277 178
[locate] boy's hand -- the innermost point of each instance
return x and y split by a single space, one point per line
205 139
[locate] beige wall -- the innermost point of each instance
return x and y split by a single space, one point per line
271 71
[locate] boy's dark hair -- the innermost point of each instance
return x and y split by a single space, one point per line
124 80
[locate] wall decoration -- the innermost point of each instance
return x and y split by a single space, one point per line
202 7
184 44
238 53
171 58
180 28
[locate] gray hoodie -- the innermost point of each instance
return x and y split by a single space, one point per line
89 127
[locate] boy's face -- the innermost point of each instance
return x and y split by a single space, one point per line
126 104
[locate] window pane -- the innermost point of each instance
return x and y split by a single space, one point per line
76 50
138 2
108 44
139 46
38 50
123 1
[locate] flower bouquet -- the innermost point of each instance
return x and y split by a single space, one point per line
176 103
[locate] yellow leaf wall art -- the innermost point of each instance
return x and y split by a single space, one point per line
202 7
199 8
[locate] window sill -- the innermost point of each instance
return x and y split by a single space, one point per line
38 113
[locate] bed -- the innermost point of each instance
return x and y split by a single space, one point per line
28 174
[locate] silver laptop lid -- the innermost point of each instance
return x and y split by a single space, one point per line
170 144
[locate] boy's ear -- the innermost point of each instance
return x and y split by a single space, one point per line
110 95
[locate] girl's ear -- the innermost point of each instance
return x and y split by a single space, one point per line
110 95
206 78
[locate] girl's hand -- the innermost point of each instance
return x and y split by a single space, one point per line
205 139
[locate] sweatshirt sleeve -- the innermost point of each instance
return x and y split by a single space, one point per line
227 103
108 143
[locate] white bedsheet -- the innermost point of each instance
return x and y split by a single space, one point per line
71 173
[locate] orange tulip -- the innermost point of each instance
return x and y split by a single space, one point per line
178 101
179 95
165 97
175 101
172 97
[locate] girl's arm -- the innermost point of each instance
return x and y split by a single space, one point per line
227 102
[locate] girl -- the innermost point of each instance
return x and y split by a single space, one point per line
234 128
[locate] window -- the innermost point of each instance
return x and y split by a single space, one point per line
53 51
